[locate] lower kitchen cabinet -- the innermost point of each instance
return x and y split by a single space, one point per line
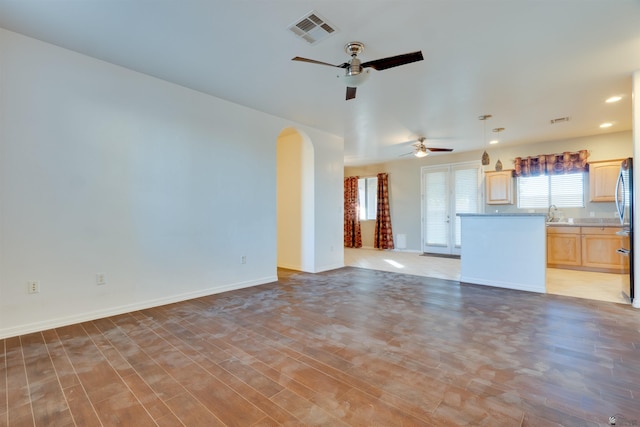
563 247
599 250
586 248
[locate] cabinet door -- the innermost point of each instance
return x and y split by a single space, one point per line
602 180
499 188
563 250
599 251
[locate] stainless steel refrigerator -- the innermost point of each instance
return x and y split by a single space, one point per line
624 206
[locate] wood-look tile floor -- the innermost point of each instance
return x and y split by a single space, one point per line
347 347
579 284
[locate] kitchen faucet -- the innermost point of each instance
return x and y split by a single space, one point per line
551 216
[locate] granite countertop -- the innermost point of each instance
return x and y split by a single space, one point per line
564 222
587 222
501 214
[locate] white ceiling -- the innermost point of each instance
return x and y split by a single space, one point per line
523 61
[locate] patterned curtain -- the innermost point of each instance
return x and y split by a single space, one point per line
352 236
383 238
551 164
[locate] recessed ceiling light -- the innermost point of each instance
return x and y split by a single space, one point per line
613 99
606 125
495 141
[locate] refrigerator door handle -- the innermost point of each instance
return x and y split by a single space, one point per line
619 206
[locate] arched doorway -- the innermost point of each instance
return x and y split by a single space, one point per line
295 201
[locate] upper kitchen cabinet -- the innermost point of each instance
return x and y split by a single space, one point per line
499 187
602 180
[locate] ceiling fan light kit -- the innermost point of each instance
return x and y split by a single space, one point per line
421 150
355 73
355 80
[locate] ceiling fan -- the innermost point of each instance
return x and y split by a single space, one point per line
421 150
355 73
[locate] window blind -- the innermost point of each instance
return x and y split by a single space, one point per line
540 192
467 196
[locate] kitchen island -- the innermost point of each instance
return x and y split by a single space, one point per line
504 250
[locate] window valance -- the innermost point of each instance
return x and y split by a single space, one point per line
551 164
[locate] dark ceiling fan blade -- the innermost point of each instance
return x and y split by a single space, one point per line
393 61
313 61
439 149
351 92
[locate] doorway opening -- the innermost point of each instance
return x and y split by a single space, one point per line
448 190
295 201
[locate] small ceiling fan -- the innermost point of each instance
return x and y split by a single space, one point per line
355 73
421 150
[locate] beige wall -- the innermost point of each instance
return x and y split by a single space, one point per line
404 178
295 214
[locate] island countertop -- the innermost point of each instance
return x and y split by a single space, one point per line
501 214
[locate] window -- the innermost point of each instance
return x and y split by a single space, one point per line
540 192
367 197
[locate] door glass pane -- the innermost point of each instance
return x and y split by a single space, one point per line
467 196
437 229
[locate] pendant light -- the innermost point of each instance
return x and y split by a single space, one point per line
485 155
498 163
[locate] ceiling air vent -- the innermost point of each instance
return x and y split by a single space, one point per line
312 28
559 120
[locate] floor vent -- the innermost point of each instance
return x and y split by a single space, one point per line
312 28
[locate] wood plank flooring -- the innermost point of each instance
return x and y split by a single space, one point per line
348 347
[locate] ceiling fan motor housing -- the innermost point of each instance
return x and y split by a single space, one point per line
354 48
354 67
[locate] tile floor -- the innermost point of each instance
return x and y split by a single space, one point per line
348 347
581 284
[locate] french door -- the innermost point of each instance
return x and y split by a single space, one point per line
448 190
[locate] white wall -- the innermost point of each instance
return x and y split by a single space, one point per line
164 189
404 177
329 203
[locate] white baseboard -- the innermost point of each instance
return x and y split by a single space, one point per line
394 250
539 288
329 267
291 267
113 311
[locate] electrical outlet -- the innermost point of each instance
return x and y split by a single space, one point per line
101 279
33 286
243 259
